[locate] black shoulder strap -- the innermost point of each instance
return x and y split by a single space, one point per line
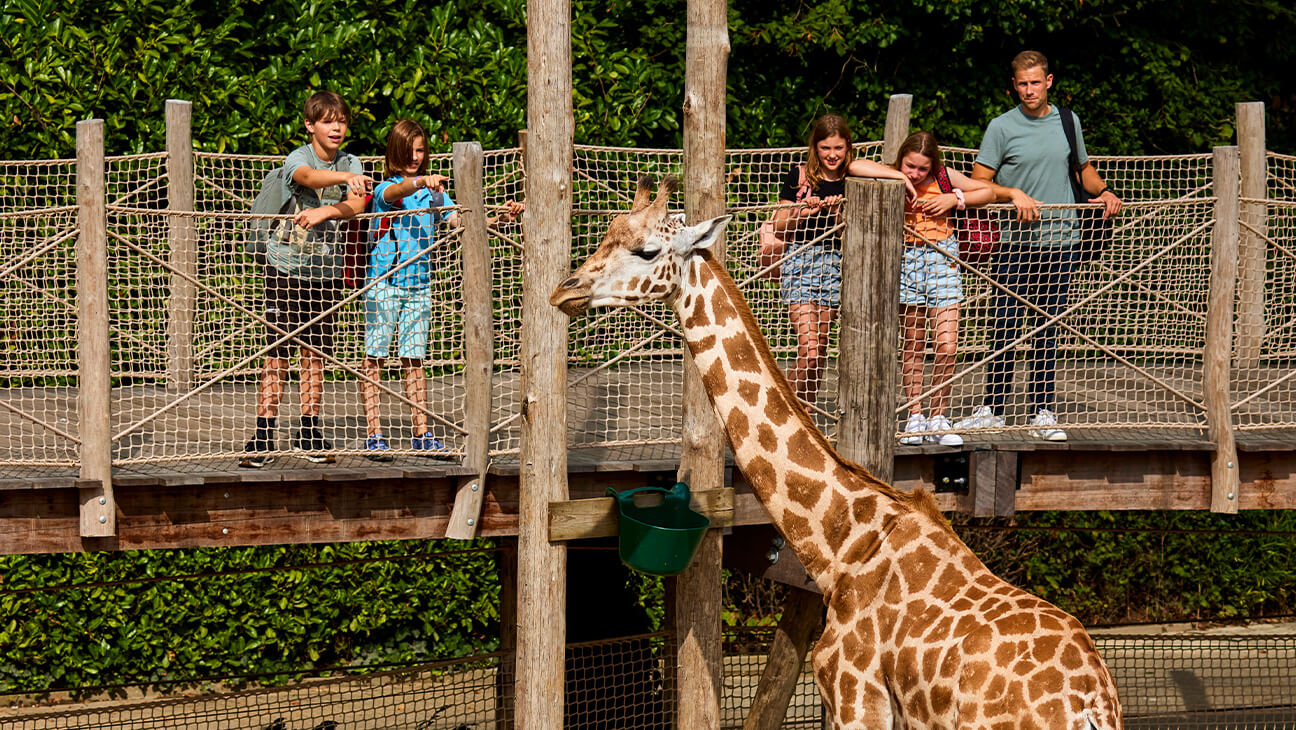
1068 128
942 179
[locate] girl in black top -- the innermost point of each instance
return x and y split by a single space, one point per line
810 277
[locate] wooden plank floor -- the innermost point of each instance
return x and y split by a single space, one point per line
624 418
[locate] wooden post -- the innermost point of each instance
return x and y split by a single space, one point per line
1253 247
505 676
478 339
546 260
897 125
183 244
98 509
697 594
870 323
1219 332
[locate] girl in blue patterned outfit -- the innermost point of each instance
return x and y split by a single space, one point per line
399 299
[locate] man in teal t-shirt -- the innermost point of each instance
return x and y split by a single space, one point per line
1025 152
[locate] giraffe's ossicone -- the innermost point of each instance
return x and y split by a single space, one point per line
919 633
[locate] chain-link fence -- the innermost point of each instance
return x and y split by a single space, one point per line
1166 682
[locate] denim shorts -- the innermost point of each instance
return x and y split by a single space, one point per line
391 308
813 275
928 278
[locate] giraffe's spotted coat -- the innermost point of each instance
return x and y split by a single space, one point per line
919 633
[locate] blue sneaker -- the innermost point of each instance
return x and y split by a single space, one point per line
377 448
431 447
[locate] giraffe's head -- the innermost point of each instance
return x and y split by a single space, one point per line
642 257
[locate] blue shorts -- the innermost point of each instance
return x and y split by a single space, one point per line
813 275
389 307
928 278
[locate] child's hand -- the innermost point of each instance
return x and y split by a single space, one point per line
311 217
512 210
434 182
359 184
813 204
939 205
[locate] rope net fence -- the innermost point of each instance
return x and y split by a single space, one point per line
1101 323
1169 682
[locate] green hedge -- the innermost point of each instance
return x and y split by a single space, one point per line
1147 76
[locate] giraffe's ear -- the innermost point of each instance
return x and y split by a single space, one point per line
701 235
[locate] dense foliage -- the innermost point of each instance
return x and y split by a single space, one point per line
1147 76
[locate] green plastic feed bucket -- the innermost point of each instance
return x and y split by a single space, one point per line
660 539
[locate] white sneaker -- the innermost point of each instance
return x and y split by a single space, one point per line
916 426
982 417
1045 424
941 423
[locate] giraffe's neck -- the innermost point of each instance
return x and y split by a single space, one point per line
832 514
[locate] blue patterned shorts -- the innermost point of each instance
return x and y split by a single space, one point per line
813 275
395 310
929 278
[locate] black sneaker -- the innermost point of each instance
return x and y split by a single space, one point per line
309 442
255 459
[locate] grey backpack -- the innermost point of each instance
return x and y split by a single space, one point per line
274 198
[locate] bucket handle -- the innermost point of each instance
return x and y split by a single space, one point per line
679 491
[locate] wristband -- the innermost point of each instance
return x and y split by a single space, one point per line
1106 189
962 202
414 182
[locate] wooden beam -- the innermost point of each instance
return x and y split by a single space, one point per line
580 519
183 243
1218 350
479 342
94 366
802 613
1252 247
546 260
697 593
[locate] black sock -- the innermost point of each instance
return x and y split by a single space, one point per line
264 429
308 422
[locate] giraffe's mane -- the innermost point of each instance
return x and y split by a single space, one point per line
919 500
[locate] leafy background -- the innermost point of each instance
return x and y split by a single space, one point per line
1147 77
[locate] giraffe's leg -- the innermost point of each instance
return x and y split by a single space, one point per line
852 685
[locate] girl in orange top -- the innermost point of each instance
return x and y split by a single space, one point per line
931 288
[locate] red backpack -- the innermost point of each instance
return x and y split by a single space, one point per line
977 236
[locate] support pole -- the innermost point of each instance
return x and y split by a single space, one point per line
546 260
478 337
802 614
1253 248
897 125
1219 332
697 593
183 244
94 382
870 323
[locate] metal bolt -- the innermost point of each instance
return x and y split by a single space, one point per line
772 555
1230 465
471 522
224 530
475 486
1230 495
779 542
227 495
103 519
103 500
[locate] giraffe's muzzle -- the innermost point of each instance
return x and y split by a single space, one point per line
571 297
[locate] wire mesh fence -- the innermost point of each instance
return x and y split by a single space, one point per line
1101 323
1167 682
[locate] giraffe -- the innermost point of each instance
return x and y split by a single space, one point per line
919 633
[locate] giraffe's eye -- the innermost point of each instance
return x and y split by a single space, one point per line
647 254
